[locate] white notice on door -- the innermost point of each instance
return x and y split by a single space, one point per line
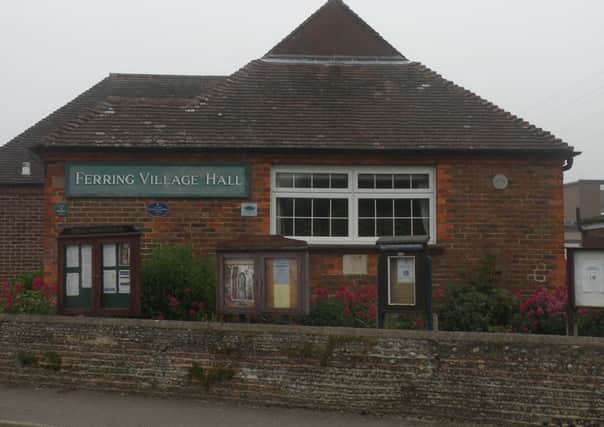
109 256
72 284
87 266
72 255
124 284
109 282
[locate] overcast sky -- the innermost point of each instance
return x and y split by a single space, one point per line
540 59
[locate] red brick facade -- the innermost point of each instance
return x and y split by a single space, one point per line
521 225
21 229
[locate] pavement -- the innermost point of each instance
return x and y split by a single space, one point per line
35 407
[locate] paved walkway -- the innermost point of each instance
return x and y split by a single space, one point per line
29 406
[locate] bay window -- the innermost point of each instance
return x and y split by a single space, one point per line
352 205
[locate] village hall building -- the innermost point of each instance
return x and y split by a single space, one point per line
334 138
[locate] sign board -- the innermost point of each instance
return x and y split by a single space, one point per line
158 180
61 209
158 209
249 209
588 278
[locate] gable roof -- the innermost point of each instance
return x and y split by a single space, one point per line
335 30
16 151
277 104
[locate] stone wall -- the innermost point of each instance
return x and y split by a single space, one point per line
451 377
21 229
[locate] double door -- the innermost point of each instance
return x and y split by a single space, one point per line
99 276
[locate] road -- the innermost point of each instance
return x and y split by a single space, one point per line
59 408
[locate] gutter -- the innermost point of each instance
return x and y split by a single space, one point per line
570 161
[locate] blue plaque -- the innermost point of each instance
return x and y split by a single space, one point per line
61 209
158 209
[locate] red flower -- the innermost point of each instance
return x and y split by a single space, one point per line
321 292
192 313
37 283
172 301
188 291
420 324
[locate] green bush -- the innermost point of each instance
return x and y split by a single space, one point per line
177 286
327 313
591 322
480 306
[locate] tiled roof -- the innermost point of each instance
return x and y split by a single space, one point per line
278 103
335 30
16 151
333 84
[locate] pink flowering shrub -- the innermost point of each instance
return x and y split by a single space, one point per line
29 296
346 306
543 312
185 307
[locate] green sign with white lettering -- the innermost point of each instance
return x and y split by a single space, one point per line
157 180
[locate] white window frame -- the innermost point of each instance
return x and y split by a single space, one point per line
353 193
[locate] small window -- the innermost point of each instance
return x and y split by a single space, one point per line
26 168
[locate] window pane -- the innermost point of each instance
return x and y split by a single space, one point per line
366 181
285 227
383 181
366 208
285 207
402 181
339 180
420 181
303 207
402 208
366 227
302 180
419 228
402 227
285 180
384 208
321 208
320 227
420 208
339 208
302 227
320 180
339 227
385 227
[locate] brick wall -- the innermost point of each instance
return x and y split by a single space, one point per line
522 225
452 377
21 229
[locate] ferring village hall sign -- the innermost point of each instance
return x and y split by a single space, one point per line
157 180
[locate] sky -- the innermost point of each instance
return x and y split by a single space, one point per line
542 60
